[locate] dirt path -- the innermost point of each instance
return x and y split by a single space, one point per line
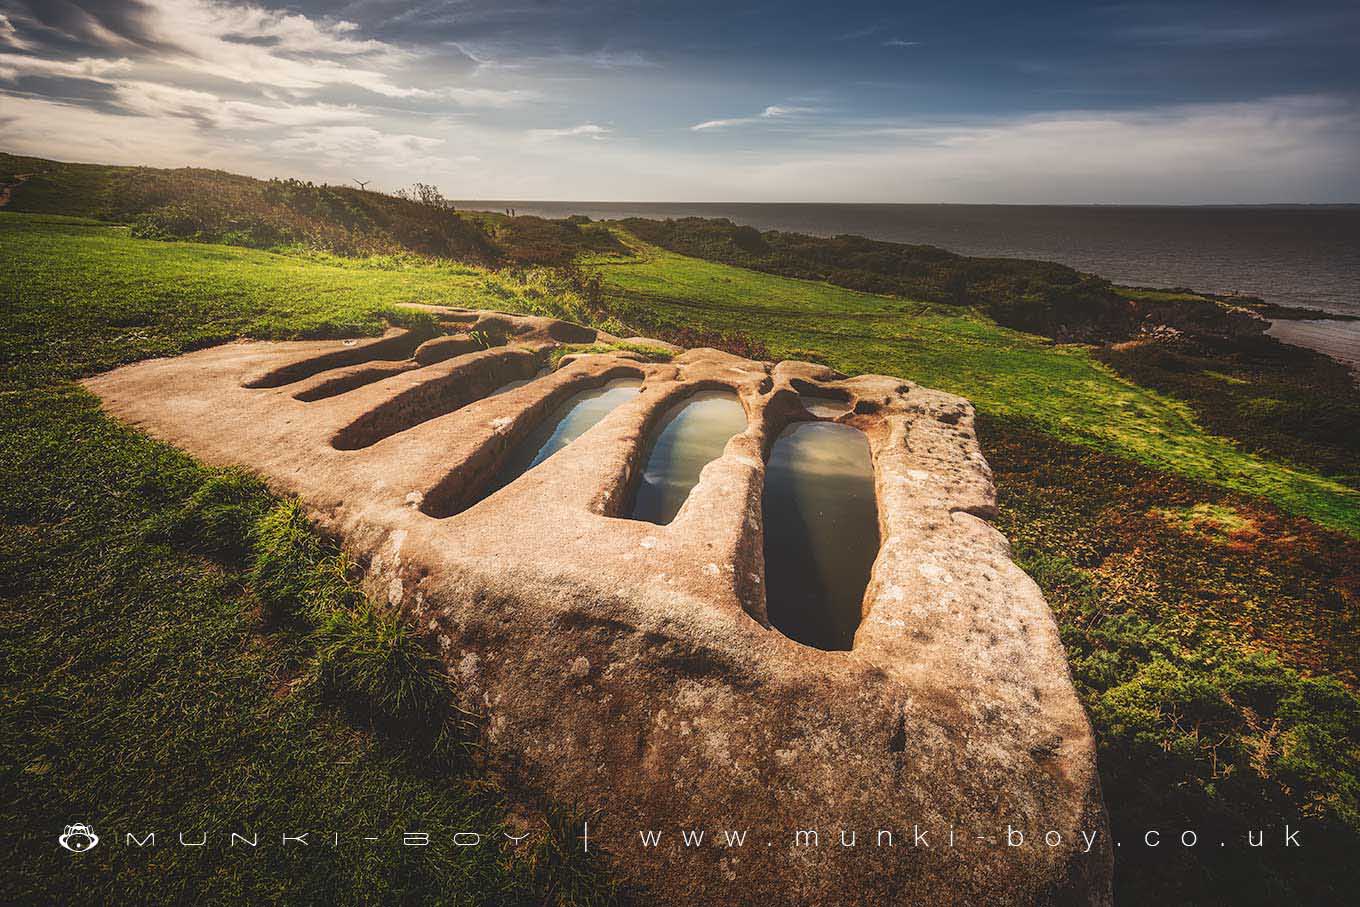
7 189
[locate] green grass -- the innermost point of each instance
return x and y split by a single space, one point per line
183 653
1146 295
84 297
1064 389
1215 642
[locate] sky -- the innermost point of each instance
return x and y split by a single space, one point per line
1020 103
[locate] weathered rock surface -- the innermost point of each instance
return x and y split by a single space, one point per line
629 667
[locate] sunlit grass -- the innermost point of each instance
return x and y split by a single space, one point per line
1062 388
183 651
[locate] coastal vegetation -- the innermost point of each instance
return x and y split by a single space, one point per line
1036 296
1064 388
1200 547
218 207
1272 398
1269 397
1212 639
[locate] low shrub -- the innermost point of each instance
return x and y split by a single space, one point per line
1201 628
1036 296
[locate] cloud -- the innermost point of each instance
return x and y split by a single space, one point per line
590 130
493 55
721 124
209 66
1303 148
271 91
1300 149
250 45
65 22
487 97
152 99
15 66
69 132
47 128
858 33
9 35
362 146
773 112
159 101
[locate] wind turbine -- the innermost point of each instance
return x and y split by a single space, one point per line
363 184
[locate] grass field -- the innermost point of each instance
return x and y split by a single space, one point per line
1212 637
1063 389
144 687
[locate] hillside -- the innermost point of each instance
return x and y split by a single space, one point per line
1269 397
1205 584
215 206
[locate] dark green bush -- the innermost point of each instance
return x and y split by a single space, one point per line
1037 296
1271 397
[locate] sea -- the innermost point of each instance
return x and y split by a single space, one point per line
1297 255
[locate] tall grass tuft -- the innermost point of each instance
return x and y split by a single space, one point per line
219 517
293 575
557 866
369 658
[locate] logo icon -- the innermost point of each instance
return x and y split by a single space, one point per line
78 838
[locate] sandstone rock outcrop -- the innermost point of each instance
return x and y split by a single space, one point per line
629 667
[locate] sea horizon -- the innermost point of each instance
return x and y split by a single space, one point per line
1299 255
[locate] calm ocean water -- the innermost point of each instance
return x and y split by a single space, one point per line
1306 256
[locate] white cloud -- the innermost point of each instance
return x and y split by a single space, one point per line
252 45
361 146
69 132
773 112
254 91
487 97
156 100
721 124
153 99
898 42
588 130
858 33
502 56
14 66
1272 150
261 48
265 62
